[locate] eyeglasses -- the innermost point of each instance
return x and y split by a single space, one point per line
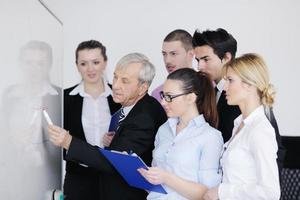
168 98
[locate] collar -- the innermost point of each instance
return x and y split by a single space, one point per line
79 89
220 85
253 116
196 121
127 109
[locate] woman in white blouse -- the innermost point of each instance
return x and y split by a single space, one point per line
187 146
88 107
248 161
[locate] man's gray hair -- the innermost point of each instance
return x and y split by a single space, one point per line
147 71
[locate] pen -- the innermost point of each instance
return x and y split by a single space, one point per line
47 117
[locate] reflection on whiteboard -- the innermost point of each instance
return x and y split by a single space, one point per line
27 147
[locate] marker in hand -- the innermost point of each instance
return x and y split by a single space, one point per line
49 121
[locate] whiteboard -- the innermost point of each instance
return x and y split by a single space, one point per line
30 81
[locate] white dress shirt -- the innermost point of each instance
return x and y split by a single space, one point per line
220 87
249 161
127 109
192 154
95 114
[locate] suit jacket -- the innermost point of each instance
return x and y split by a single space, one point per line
137 133
281 149
72 122
227 115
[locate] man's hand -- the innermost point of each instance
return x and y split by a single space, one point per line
59 136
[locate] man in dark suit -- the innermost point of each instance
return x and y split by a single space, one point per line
213 49
143 116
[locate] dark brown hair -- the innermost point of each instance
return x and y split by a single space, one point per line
200 84
180 35
91 44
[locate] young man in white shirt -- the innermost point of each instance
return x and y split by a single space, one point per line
177 51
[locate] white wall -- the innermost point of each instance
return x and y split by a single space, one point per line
269 27
30 166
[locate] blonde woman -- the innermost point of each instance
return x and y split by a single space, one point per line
248 161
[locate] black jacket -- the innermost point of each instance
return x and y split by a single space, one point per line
72 123
227 115
137 133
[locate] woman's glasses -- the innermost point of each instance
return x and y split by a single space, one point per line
168 97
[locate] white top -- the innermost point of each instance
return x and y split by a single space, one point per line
192 154
95 114
249 161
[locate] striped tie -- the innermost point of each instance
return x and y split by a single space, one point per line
122 115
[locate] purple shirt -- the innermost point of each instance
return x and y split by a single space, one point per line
156 91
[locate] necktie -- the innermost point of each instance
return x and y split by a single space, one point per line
116 120
122 115
216 91
218 94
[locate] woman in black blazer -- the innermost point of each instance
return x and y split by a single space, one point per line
88 107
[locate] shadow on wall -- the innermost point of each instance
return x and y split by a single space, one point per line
28 155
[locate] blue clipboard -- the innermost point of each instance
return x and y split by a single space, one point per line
127 166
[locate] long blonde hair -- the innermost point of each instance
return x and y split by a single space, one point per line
252 69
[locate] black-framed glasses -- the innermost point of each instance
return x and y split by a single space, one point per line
168 97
